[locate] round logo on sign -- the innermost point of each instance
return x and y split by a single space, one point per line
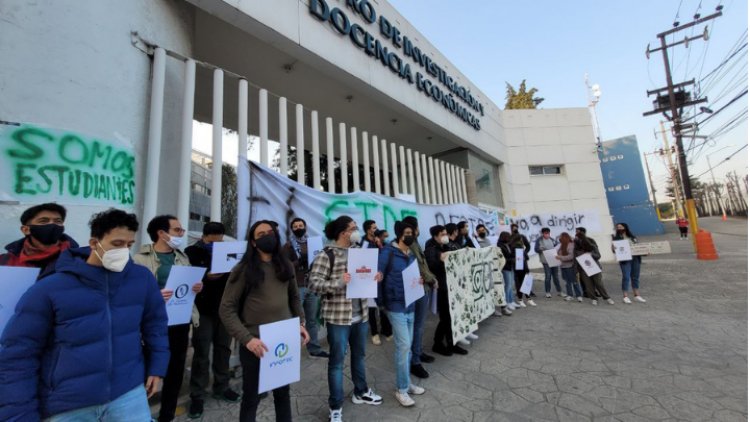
281 350
181 291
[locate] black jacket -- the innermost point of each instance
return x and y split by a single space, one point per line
208 300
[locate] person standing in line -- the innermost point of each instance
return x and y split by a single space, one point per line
393 260
159 257
454 243
594 284
372 241
43 228
210 331
566 256
89 342
346 319
434 251
482 236
463 238
683 224
516 242
421 306
262 289
382 238
296 250
526 247
503 242
542 244
631 270
370 228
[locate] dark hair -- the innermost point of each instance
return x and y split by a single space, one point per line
503 238
103 222
296 219
513 225
581 229
32 212
213 227
335 227
399 227
481 226
379 233
461 225
412 221
435 230
627 230
160 222
250 263
367 224
545 229
451 228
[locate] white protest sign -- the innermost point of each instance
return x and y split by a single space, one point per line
528 284
588 264
226 255
558 222
551 256
640 249
413 289
662 247
180 281
362 265
622 250
314 246
519 259
280 365
14 281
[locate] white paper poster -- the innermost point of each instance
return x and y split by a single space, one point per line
14 281
180 281
588 264
362 265
528 284
413 290
519 259
280 365
551 256
314 247
622 250
226 255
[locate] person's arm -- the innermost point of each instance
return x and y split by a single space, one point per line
526 244
21 347
538 245
566 258
154 335
229 309
432 255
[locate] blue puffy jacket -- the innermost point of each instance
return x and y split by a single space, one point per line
80 337
391 262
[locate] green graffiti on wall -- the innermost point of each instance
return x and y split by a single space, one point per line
368 209
43 163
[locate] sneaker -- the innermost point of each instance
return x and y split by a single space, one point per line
368 398
376 340
547 295
389 338
335 415
404 399
627 300
498 313
580 299
531 302
228 395
416 390
464 342
505 311
610 301
196 409
561 294
512 306
568 298
458 350
472 336
594 302
521 304
320 354
639 299
442 350
419 371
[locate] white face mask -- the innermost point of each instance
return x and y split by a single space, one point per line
114 259
444 240
175 242
355 237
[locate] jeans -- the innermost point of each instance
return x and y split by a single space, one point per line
551 274
310 307
210 331
631 270
403 331
571 284
509 283
129 407
421 307
375 314
338 337
170 391
250 398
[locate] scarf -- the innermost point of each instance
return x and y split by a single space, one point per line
31 253
296 243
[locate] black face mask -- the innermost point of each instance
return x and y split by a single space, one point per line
482 235
408 240
47 234
266 244
299 232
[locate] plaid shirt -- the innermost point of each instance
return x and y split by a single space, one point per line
335 307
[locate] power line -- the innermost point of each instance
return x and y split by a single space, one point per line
723 161
742 94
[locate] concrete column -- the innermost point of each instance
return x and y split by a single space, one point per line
343 161
186 144
156 112
263 122
366 158
329 154
283 139
300 135
376 163
355 159
386 185
243 168
418 172
315 150
216 156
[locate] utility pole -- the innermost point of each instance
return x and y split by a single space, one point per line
680 208
653 189
674 101
715 186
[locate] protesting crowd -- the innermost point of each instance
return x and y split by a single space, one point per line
90 340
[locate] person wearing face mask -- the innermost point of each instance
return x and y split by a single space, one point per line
296 250
91 339
463 238
434 251
169 237
482 236
262 289
346 319
631 269
551 274
210 331
44 239
372 241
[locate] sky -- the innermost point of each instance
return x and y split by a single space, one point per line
553 44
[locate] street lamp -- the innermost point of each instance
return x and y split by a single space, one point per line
713 179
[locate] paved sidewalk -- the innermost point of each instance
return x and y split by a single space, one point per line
681 356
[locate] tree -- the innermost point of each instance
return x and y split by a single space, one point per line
229 198
521 99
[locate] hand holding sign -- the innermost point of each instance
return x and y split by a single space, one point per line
413 289
362 266
281 365
181 281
